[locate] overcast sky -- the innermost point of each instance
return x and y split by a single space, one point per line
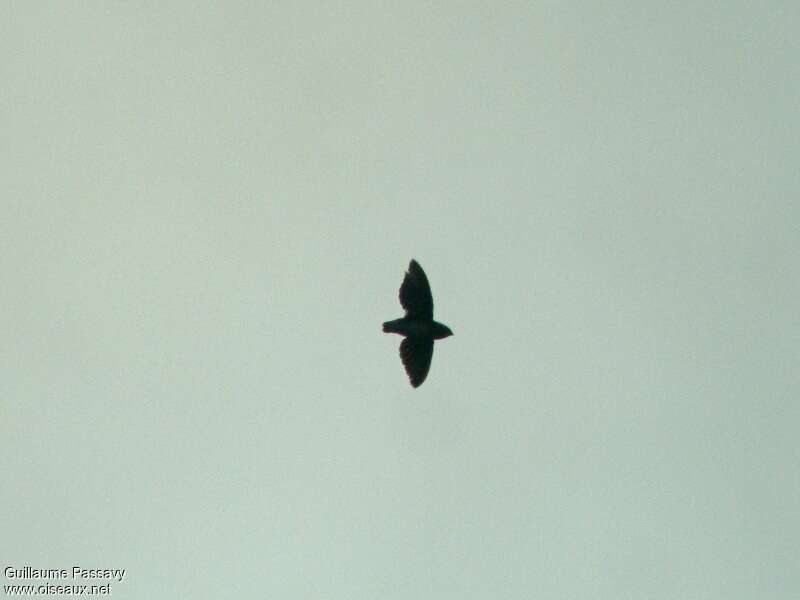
207 211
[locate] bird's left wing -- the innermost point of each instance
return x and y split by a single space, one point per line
416 354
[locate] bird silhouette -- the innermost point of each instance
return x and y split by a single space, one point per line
418 327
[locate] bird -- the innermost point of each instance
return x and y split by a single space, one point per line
418 327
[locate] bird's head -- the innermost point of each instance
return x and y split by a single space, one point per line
441 331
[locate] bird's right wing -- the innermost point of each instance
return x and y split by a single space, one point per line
416 354
415 293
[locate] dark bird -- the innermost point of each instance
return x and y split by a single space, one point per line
418 326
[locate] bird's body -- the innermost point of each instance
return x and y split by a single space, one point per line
418 327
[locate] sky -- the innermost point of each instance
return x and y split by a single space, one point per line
207 210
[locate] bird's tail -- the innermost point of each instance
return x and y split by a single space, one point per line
390 326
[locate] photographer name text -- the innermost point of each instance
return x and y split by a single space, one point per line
74 573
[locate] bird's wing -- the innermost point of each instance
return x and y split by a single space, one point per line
416 354
415 293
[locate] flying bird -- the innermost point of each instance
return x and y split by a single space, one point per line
418 327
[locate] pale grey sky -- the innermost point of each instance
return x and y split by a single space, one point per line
207 210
